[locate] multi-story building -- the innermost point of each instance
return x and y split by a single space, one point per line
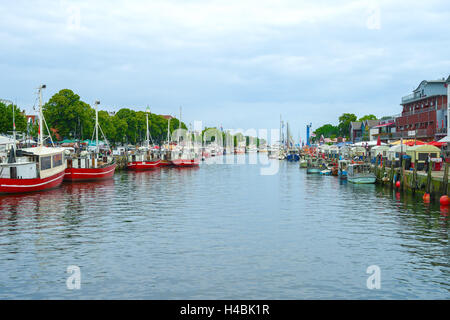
424 114
385 130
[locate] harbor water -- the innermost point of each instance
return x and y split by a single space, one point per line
223 231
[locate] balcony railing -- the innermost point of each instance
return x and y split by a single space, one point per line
410 113
419 133
408 98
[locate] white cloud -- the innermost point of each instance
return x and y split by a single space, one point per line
321 55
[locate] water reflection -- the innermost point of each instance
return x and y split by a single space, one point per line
223 231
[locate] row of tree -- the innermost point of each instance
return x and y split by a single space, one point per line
71 118
342 129
75 119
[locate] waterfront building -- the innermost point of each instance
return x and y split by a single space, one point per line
424 114
385 130
361 130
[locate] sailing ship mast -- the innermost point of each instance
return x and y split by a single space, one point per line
179 127
168 132
148 133
41 117
96 103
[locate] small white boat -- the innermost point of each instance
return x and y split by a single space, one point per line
360 174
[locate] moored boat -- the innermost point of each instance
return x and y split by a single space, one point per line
89 169
313 167
32 169
185 155
293 155
144 158
343 168
360 173
90 166
188 162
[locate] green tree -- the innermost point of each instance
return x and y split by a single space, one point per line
120 130
368 117
344 124
70 116
327 130
6 119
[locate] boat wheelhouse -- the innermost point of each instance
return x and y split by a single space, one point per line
360 173
32 169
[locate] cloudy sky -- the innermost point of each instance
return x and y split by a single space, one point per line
237 63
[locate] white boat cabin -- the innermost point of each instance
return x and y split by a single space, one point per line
33 163
87 160
144 154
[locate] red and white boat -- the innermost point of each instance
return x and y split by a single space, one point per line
184 158
186 162
32 169
185 155
90 166
143 165
80 169
145 158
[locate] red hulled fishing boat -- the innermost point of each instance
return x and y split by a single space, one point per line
145 158
90 166
32 169
192 162
101 171
143 165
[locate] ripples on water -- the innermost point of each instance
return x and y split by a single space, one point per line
222 232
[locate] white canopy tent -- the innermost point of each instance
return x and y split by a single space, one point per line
379 150
394 152
445 139
368 143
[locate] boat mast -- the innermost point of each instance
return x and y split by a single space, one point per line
287 135
168 132
96 103
179 127
148 134
14 125
41 117
280 131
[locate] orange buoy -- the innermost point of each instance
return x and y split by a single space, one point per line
444 200
426 197
397 184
